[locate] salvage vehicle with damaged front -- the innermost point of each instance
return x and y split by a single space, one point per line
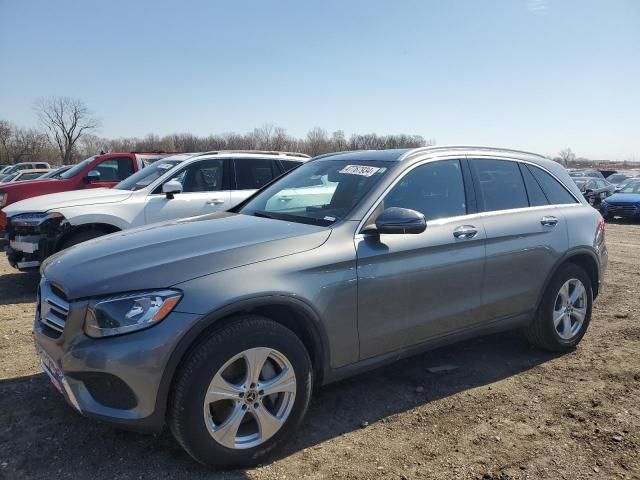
221 325
179 186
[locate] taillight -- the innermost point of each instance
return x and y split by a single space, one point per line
601 224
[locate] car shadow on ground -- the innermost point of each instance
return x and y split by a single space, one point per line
40 435
18 287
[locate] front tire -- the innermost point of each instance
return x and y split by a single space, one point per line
565 311
241 393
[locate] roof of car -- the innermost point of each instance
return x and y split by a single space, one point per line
260 153
401 154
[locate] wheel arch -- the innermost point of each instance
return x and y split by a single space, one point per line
584 258
290 312
74 229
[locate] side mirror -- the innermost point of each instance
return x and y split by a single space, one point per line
171 188
92 176
397 220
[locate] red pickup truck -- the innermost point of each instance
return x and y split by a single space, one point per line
98 171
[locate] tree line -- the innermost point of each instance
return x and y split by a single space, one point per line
67 134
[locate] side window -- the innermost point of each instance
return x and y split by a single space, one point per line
501 185
289 164
434 189
202 176
253 173
114 169
535 193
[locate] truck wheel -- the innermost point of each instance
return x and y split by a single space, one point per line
80 237
565 311
241 392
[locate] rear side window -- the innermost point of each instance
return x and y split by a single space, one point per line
536 195
554 191
500 183
253 173
435 189
289 164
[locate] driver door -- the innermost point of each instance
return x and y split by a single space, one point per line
415 287
205 185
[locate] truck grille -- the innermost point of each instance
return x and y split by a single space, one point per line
52 309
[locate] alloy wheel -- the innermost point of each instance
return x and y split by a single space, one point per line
570 309
250 398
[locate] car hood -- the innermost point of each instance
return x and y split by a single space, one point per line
165 254
624 198
75 198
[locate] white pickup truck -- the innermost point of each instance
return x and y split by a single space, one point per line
180 186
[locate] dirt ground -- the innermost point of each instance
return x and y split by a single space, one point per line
493 408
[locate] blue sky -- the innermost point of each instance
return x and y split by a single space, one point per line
536 74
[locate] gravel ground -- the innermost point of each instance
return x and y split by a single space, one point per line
490 408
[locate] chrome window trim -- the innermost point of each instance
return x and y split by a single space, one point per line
454 156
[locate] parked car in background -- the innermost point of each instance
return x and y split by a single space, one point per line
594 189
95 172
22 166
618 178
176 187
586 172
56 172
222 325
624 203
626 182
23 175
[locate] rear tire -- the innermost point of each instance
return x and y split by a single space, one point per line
559 325
218 384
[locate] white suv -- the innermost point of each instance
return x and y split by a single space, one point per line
180 186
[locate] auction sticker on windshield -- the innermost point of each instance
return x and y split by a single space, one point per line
364 170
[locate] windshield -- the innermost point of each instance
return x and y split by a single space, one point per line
318 193
76 169
631 187
617 178
10 177
147 175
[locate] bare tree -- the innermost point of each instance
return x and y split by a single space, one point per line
66 120
567 156
6 131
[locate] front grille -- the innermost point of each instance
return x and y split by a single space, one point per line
627 209
52 309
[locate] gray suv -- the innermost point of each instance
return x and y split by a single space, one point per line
221 325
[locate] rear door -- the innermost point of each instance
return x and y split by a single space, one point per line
412 288
250 174
525 236
205 185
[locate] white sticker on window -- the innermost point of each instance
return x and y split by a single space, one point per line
364 170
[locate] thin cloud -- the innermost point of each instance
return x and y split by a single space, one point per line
537 7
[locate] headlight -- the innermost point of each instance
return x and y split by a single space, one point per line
127 313
34 219
3 199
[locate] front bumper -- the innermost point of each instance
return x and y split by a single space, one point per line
114 379
28 245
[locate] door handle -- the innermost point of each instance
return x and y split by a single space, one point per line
465 231
215 201
549 221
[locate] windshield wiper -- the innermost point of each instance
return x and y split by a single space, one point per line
263 214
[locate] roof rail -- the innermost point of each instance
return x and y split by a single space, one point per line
435 148
259 152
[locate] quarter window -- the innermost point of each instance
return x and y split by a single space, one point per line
555 192
253 173
536 195
435 189
501 185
